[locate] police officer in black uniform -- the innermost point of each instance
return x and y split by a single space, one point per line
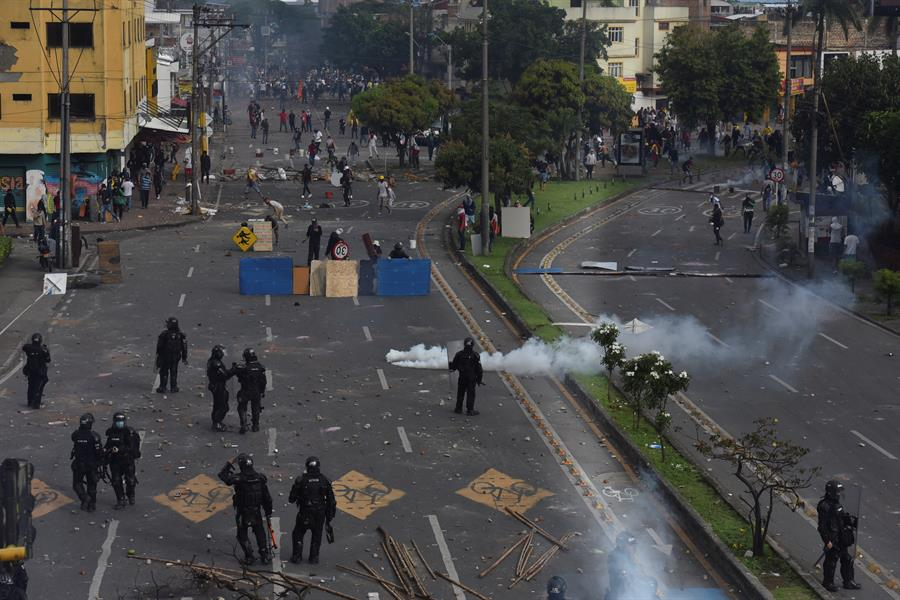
218 375
36 358
838 531
123 447
468 364
13 581
556 588
250 495
87 458
626 582
314 497
252 376
171 346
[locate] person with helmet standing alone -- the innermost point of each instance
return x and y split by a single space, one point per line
218 375
314 497
252 376
123 447
86 456
556 588
37 356
837 529
171 346
468 364
251 493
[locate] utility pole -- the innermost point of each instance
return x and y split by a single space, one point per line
485 133
411 51
786 121
814 151
65 244
449 67
579 150
195 114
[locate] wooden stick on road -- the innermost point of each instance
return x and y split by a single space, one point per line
389 587
462 586
424 562
526 521
503 557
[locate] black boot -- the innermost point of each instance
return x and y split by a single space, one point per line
313 560
131 500
851 585
120 504
160 390
829 586
297 557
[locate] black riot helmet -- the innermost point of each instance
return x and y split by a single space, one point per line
313 465
172 324
469 343
249 355
398 246
556 588
86 421
244 462
833 490
218 352
120 420
36 338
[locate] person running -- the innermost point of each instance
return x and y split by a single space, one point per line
277 210
687 170
717 220
252 180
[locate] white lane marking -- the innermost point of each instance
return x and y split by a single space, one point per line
632 278
197 248
268 334
270 380
349 229
142 433
50 329
729 280
268 300
277 590
633 250
693 227
13 372
445 555
701 204
873 444
666 304
367 333
714 338
767 305
273 433
403 439
181 300
827 337
784 383
658 542
155 385
680 217
355 301
382 379
718 254
731 236
656 233
190 272
106 549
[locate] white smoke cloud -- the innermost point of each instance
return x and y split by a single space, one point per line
419 357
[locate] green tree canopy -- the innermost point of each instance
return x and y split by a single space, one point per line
368 34
607 103
401 106
458 164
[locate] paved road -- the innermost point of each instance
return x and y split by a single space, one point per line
387 435
755 346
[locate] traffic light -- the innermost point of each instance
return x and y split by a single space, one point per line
16 504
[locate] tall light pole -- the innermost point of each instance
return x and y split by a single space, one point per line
411 50
65 149
449 60
581 87
785 138
485 132
195 114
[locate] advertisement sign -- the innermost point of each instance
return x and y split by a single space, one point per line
630 151
629 83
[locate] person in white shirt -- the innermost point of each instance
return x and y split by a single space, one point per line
836 246
277 210
851 245
127 190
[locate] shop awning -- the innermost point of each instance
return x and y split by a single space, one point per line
158 124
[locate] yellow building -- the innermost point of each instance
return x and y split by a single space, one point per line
109 84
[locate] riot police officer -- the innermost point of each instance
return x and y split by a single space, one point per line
87 458
468 364
625 580
36 358
171 346
13 580
252 376
837 529
218 375
314 497
250 495
556 588
123 447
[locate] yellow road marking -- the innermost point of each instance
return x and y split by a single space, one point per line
197 499
46 499
359 495
500 491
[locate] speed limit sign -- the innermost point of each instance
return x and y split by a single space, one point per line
340 251
777 175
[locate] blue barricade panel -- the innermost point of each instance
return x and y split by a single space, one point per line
273 275
403 277
366 278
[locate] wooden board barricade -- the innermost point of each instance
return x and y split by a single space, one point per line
264 238
301 281
341 278
317 278
110 262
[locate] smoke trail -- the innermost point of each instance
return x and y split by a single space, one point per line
419 357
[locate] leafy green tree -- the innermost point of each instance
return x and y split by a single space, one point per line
887 284
720 74
458 164
648 380
880 139
505 118
852 269
607 104
607 335
368 34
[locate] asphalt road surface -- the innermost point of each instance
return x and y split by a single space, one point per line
754 345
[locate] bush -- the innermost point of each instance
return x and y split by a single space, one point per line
6 247
777 219
887 284
852 269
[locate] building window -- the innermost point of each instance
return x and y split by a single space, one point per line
21 97
801 66
81 35
663 25
633 3
574 3
615 69
637 46
81 106
616 34
20 25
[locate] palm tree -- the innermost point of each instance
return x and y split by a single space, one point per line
846 14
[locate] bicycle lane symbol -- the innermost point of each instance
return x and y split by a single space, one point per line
359 495
197 499
46 499
500 491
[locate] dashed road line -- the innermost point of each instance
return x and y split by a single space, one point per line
105 551
270 380
680 217
181 300
732 235
786 385
718 254
197 248
272 436
367 333
13 372
403 439
729 280
190 272
833 341
767 305
633 250
717 340
666 304
632 279
691 230
445 555
382 379
656 233
268 334
702 204
873 444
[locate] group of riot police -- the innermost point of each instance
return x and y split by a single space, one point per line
112 462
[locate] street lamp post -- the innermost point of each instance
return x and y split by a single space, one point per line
449 59
485 132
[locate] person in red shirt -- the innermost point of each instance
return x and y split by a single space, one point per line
461 223
282 121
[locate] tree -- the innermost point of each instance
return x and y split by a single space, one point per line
880 138
852 269
887 284
607 335
715 75
458 164
369 34
767 467
607 104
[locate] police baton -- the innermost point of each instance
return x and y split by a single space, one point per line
818 560
272 533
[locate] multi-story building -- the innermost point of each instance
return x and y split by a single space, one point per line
108 85
638 30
